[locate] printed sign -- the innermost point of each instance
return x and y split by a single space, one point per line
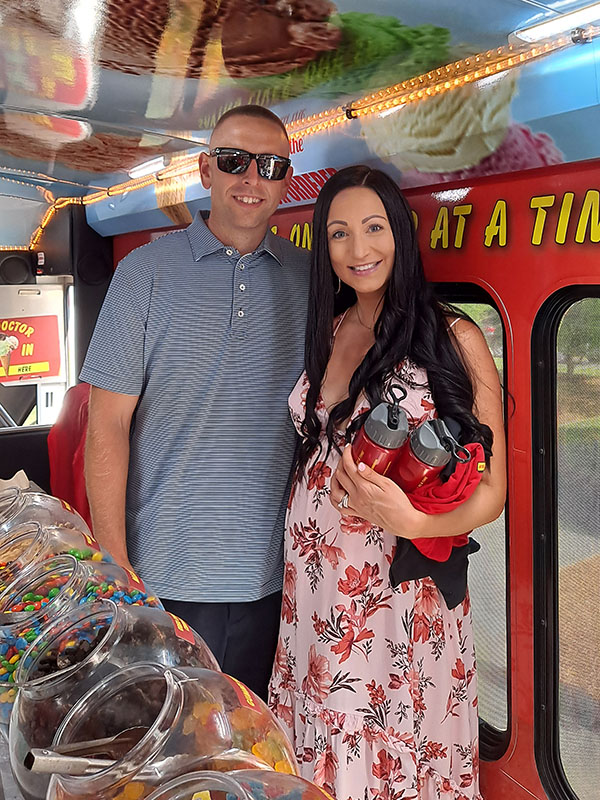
29 349
182 629
243 694
134 581
539 220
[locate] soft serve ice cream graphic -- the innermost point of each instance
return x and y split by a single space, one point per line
464 133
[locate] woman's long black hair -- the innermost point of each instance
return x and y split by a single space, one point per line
412 324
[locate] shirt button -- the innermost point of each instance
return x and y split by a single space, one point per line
241 266
242 287
229 252
240 313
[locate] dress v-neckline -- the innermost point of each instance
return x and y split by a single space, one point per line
321 399
361 397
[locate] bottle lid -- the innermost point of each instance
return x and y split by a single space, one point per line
387 426
426 443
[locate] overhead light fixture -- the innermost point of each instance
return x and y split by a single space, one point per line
561 23
147 168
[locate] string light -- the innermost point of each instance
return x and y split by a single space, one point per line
443 79
433 83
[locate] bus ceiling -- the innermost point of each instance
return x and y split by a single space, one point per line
107 103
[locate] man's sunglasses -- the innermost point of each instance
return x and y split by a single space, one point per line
236 162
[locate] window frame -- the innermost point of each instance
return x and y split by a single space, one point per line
493 742
544 415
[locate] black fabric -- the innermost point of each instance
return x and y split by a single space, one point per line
241 636
449 576
27 449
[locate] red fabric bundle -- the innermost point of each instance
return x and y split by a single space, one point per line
66 450
438 497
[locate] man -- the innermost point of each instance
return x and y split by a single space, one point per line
190 445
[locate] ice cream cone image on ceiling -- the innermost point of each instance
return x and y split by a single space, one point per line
464 133
7 345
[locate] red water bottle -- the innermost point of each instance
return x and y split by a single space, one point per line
428 449
378 441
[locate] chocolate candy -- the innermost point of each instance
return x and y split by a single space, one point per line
44 590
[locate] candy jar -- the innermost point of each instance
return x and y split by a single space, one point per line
76 651
178 720
29 543
41 592
18 506
17 549
240 785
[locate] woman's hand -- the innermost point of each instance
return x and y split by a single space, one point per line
374 498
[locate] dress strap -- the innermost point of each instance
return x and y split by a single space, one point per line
454 321
339 322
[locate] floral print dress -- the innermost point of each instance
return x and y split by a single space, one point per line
375 686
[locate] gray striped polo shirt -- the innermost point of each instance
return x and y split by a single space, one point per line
213 343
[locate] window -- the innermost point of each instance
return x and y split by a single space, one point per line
566 506
487 578
578 517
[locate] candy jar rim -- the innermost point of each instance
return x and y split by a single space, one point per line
22 617
27 529
19 499
151 742
221 781
107 606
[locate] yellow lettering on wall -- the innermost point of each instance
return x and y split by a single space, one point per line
590 212
497 225
440 229
563 217
462 212
415 217
295 234
27 349
540 204
307 236
274 229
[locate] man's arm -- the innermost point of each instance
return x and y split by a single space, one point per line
106 467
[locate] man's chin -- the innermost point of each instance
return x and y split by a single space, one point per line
252 219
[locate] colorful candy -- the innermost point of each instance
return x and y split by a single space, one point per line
31 543
45 589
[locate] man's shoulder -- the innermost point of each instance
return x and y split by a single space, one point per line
289 254
289 248
172 243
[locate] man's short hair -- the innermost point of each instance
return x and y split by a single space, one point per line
257 112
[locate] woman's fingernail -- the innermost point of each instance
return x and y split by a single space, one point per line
361 467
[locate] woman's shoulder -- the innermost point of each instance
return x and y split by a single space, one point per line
466 332
461 326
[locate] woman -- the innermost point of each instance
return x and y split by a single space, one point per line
376 685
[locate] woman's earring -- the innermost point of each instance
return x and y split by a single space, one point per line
339 288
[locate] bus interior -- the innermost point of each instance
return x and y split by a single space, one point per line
486 113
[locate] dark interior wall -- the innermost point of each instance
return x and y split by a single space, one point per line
70 246
26 449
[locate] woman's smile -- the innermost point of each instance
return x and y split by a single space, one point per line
365 269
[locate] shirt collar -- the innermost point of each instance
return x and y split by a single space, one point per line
203 242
